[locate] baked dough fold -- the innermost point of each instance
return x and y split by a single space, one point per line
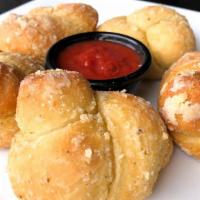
13 68
179 102
75 143
165 32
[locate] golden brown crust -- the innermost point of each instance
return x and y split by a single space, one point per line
23 64
9 84
28 35
165 32
168 33
72 18
74 145
179 102
8 128
68 163
169 40
74 150
141 144
120 25
34 33
13 68
150 15
56 97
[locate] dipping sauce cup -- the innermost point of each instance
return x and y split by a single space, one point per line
110 61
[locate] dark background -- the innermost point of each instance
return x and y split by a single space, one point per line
190 4
8 4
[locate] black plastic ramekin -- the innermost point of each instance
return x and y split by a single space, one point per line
120 83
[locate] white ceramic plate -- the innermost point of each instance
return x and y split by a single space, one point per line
181 179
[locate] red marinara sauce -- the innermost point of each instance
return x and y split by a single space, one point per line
99 60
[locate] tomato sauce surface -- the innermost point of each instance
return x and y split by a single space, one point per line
99 60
